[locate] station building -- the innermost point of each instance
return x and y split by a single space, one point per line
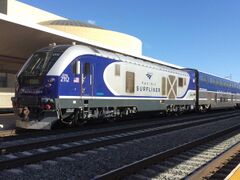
25 29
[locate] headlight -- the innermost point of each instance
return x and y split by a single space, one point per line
47 103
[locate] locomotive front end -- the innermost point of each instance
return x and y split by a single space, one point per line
35 93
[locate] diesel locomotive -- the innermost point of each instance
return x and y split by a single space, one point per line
72 84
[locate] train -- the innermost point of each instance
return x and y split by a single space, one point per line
73 84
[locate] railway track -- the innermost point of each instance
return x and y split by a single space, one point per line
12 135
28 152
181 162
221 166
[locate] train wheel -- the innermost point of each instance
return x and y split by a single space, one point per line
77 118
204 108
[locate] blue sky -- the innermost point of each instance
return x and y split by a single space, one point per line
202 34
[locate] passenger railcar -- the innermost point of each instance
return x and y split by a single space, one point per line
216 92
72 84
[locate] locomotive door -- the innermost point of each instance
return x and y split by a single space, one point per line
87 70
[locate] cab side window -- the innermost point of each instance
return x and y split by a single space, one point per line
86 69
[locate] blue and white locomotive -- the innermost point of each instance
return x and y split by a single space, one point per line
75 83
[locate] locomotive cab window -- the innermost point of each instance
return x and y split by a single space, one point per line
180 82
130 82
86 69
76 67
40 63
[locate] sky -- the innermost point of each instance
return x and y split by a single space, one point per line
202 34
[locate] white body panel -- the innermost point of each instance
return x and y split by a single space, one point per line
148 79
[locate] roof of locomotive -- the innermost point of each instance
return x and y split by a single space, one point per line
56 48
74 51
120 56
111 54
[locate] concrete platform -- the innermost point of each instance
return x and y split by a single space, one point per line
7 121
235 174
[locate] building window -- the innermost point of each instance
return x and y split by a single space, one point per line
3 80
117 69
130 82
164 86
180 82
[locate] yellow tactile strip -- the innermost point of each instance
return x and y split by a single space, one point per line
235 174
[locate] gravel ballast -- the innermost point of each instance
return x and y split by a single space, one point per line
98 161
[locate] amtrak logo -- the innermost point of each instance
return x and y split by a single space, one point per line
149 75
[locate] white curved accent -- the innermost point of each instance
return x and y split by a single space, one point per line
105 79
67 57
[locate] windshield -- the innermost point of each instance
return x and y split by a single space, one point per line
40 63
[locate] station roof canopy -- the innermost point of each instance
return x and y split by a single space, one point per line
19 39
67 22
